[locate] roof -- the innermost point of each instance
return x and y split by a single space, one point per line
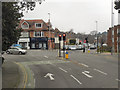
32 24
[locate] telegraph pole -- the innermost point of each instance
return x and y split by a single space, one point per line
112 25
49 29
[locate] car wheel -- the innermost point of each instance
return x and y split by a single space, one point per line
2 60
20 53
7 52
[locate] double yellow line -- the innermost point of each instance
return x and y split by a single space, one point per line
25 74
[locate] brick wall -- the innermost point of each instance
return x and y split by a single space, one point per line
109 37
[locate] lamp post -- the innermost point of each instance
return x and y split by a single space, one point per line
97 34
49 29
112 28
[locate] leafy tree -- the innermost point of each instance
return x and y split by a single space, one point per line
11 16
10 20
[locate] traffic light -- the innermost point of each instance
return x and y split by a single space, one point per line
64 37
86 39
60 37
117 5
80 42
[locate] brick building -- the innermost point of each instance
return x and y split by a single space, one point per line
115 39
36 34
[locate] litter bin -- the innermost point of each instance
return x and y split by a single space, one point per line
66 55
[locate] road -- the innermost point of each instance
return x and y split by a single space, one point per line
43 69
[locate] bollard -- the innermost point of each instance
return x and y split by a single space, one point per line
66 55
88 50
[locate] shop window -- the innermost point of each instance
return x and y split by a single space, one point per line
44 45
40 45
33 45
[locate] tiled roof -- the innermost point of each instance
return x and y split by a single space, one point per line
32 24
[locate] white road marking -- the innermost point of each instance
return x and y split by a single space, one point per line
33 74
50 76
118 80
34 81
46 56
84 64
100 71
76 79
29 84
62 69
86 74
53 64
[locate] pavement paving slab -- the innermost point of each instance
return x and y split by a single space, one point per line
10 75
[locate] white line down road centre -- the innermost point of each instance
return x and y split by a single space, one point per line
100 71
86 74
76 79
50 76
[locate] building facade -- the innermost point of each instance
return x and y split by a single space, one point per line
36 34
114 38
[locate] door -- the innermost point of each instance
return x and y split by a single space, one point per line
44 45
15 51
37 45
40 45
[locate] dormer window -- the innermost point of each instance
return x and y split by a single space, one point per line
25 25
38 25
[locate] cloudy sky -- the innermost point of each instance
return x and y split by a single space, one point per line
79 15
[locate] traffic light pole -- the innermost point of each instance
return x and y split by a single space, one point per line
59 49
63 49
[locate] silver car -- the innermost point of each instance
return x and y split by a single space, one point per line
16 50
72 47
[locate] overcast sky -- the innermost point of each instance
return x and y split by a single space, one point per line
79 15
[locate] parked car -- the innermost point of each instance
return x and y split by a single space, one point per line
72 47
92 46
16 45
2 57
79 47
16 50
66 47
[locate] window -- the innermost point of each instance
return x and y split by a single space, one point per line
24 34
33 45
42 34
44 45
39 34
25 25
40 45
38 25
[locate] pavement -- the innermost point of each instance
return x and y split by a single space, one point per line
11 75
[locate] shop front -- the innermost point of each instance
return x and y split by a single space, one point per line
24 42
39 43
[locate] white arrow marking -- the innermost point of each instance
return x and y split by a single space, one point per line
50 76
86 74
118 80
46 56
